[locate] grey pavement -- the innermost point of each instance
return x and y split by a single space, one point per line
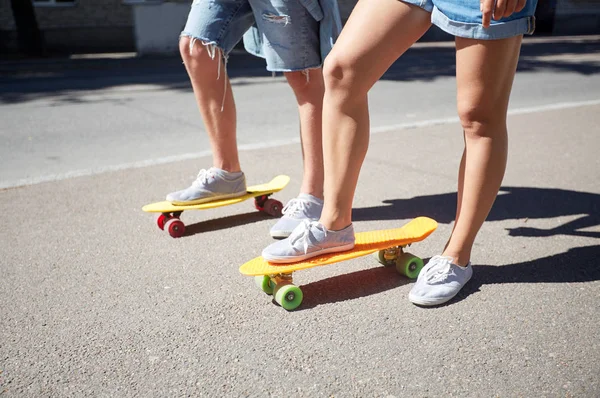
62 118
97 301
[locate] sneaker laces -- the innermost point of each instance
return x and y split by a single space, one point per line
294 207
202 178
304 235
440 270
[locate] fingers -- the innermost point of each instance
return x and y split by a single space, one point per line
505 8
487 8
520 5
498 9
509 10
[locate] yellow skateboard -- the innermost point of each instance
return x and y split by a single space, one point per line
389 244
169 218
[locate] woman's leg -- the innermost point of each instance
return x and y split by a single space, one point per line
308 89
212 89
484 77
376 34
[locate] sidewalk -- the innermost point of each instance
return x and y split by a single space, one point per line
239 59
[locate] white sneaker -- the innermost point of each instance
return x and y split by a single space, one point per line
304 207
307 240
439 281
211 184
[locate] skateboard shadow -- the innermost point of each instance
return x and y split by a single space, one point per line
217 224
512 203
351 286
577 265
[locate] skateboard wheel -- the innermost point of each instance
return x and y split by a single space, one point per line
409 265
264 283
288 296
273 207
175 227
161 220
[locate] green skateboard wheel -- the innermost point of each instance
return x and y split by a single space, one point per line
409 265
264 283
288 296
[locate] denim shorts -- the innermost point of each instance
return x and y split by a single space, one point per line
289 32
462 18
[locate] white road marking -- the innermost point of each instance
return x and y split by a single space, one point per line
270 144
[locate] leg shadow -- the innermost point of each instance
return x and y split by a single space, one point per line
577 265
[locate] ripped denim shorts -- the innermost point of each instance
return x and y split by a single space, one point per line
289 29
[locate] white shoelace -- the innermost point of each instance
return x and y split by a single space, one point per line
294 207
202 178
304 236
440 270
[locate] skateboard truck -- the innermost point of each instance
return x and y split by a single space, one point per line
405 263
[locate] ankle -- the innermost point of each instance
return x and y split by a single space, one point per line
229 168
336 224
312 186
458 258
314 193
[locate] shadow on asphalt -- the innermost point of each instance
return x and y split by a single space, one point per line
429 63
578 264
513 203
29 80
224 223
351 286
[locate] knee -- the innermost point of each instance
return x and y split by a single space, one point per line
300 81
184 47
338 73
195 54
480 118
307 85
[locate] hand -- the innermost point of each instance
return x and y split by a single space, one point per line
499 9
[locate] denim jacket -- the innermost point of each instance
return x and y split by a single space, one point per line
326 12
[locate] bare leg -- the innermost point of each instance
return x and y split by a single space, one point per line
308 88
484 76
352 68
211 85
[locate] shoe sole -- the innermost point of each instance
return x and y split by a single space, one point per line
428 302
280 234
295 259
207 200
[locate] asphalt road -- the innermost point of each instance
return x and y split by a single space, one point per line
61 119
97 301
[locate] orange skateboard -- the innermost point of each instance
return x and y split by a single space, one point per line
169 218
389 245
